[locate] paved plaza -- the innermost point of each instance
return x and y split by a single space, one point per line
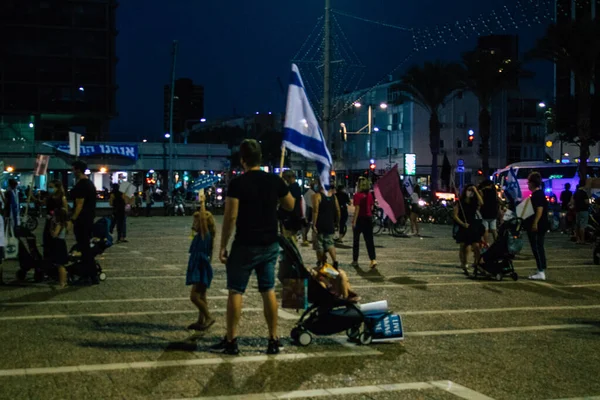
465 339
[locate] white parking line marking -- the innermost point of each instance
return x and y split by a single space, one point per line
460 391
281 313
491 310
448 386
360 351
499 330
108 315
101 301
287 315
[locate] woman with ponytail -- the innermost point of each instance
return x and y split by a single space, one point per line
199 272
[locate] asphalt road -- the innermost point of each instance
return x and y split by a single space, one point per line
126 338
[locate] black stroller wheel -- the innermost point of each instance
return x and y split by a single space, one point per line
102 276
305 339
365 338
514 276
353 333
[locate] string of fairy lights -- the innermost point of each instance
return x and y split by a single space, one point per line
348 70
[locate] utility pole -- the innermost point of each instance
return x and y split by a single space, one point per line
327 73
170 185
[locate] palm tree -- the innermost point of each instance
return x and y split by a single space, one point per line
487 73
575 45
431 86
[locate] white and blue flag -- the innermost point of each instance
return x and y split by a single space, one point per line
512 188
301 132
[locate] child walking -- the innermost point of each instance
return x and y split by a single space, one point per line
199 272
57 251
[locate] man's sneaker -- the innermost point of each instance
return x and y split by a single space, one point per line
274 346
539 276
354 264
225 347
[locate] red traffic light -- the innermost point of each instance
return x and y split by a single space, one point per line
373 166
471 138
479 172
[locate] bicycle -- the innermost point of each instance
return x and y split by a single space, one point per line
29 220
381 223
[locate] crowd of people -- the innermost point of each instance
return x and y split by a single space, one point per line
259 207
476 216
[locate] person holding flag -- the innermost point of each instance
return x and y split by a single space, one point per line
512 190
301 132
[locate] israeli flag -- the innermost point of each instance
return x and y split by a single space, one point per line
512 188
301 132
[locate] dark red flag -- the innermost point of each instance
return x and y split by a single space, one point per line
389 195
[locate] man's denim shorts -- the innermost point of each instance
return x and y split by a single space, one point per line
582 219
244 259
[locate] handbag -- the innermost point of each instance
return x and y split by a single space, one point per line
294 294
11 251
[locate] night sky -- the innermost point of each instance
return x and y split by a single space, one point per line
238 49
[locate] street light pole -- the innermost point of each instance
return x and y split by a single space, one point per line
171 133
370 132
327 72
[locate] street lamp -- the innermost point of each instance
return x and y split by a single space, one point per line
369 126
167 135
144 140
31 125
542 105
186 133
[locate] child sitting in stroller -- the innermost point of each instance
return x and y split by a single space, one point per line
335 281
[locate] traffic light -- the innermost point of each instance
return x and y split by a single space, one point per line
372 166
471 138
479 172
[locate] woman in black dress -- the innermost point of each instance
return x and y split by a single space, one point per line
56 200
119 201
470 227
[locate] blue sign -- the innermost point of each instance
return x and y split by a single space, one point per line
125 150
460 162
460 169
203 182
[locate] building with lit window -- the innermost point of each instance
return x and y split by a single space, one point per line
57 68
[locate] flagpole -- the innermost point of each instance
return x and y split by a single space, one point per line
282 159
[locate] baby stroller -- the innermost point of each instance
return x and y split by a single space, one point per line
30 257
100 241
496 261
328 314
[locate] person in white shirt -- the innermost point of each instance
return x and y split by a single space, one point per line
415 210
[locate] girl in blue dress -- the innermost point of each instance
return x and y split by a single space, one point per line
199 272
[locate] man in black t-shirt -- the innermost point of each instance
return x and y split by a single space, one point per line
251 207
343 201
581 202
84 198
565 197
537 224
